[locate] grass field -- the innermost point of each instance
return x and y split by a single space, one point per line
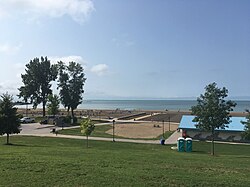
100 131
34 161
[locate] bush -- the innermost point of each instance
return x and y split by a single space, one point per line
67 120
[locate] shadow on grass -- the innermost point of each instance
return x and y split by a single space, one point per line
22 145
16 145
200 152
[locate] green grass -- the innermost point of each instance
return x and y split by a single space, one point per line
34 161
100 131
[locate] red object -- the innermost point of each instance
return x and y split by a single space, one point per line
184 134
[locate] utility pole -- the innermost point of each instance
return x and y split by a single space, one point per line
169 123
113 130
163 130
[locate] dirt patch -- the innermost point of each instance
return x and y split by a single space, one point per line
141 130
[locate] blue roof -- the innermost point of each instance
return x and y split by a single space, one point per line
235 125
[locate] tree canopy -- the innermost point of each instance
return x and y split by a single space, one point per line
246 134
87 127
53 104
9 120
71 82
212 110
39 74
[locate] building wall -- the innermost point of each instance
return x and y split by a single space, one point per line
219 135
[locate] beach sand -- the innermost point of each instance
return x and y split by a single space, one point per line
141 130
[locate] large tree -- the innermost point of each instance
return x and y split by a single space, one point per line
39 74
212 110
9 120
71 82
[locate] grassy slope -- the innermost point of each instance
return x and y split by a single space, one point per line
36 161
99 131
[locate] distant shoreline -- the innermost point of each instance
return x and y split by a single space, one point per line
151 115
144 105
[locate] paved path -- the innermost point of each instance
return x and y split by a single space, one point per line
35 129
173 138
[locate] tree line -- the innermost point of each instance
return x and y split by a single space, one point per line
36 89
37 80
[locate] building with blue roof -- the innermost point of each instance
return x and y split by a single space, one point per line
231 133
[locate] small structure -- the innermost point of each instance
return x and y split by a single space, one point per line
181 144
189 145
231 133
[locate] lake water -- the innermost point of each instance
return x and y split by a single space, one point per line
150 104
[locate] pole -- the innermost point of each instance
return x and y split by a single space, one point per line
212 151
26 110
113 130
169 123
163 130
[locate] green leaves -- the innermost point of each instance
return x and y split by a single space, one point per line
246 134
87 127
71 82
9 121
39 74
212 110
53 104
37 81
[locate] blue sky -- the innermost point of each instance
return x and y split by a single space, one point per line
131 49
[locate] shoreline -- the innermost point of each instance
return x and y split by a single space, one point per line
142 115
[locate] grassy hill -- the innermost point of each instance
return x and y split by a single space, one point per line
34 161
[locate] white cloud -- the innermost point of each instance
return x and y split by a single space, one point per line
10 87
78 10
9 49
99 69
67 59
123 41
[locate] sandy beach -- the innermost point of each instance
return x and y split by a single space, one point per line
142 115
142 130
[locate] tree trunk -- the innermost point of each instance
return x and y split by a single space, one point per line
8 138
68 111
72 113
87 141
44 105
212 148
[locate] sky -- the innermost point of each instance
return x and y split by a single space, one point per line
143 49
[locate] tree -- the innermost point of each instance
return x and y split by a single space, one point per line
87 127
9 119
212 111
246 134
53 104
37 81
71 82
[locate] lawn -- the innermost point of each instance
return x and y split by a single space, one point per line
100 131
34 161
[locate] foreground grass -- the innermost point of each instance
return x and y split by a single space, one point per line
100 131
34 161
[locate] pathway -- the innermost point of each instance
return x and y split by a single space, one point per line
35 129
